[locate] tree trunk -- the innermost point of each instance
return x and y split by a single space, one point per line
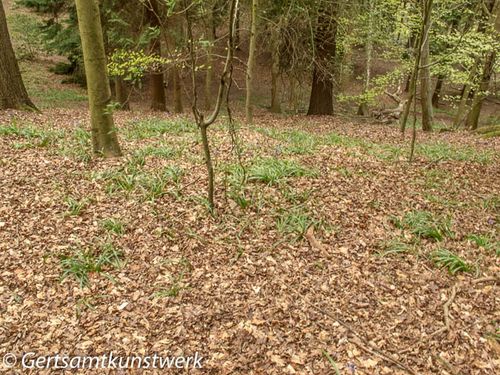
13 94
104 139
363 106
156 79
321 99
473 116
437 91
251 63
425 76
122 93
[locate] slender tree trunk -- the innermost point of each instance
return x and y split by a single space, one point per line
462 106
156 79
363 106
251 63
104 138
13 94
425 76
209 73
473 116
177 83
437 91
121 93
321 99
416 69
275 95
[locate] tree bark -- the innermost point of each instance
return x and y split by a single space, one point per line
13 93
251 63
425 76
104 138
156 79
321 99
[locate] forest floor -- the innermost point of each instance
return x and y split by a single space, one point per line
123 254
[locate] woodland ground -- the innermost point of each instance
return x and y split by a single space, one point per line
123 255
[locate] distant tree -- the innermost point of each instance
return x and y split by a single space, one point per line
13 94
104 138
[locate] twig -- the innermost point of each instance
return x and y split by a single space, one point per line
315 244
486 280
446 309
446 364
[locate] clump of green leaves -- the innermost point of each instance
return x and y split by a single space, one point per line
451 261
84 262
133 65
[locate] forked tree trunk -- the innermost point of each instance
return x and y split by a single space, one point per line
13 94
425 76
156 79
321 99
251 63
104 139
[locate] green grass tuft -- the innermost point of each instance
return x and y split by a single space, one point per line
82 263
272 171
424 225
452 262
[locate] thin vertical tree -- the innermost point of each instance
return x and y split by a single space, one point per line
251 63
363 106
104 138
13 93
425 73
